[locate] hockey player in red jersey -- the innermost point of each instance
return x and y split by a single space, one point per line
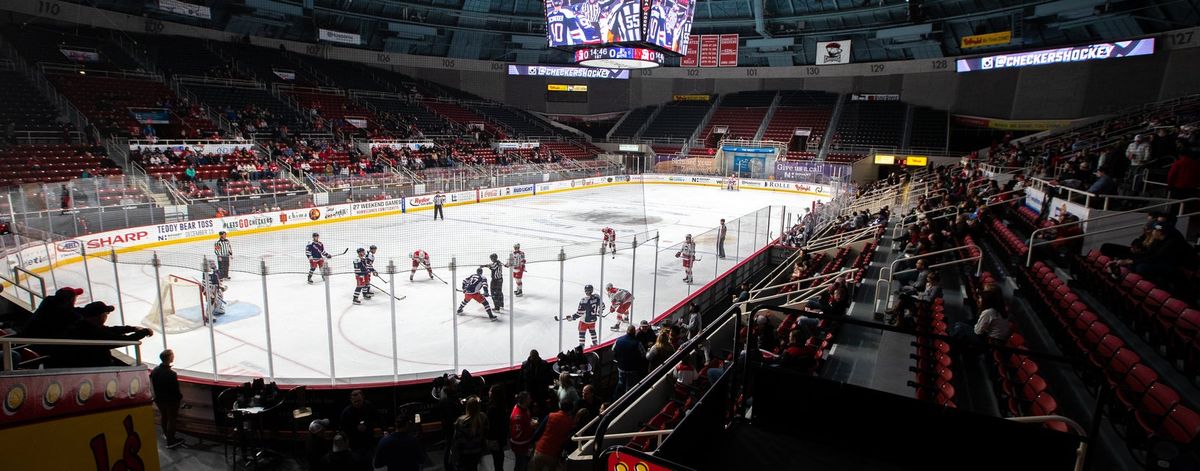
419 258
610 240
516 262
621 302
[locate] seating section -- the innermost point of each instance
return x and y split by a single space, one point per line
462 116
800 109
572 150
47 45
238 100
633 122
106 100
740 123
409 113
930 128
521 124
333 108
24 105
180 56
52 163
267 65
871 123
677 120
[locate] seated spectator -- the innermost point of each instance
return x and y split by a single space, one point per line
1164 253
1183 179
661 350
54 316
564 386
1105 184
92 327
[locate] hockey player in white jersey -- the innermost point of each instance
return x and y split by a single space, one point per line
620 301
589 311
516 262
688 255
610 241
475 288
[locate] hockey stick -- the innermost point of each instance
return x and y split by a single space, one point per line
435 275
343 253
398 298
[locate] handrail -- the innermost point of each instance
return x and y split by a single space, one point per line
787 262
6 343
805 293
811 278
891 268
1081 452
1032 235
840 239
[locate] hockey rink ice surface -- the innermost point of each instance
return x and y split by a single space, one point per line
425 323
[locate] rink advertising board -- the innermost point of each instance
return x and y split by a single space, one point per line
38 257
1064 55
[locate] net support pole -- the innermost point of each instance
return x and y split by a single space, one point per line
768 227
117 282
654 283
87 273
737 246
325 275
562 264
602 286
212 318
783 219
267 321
754 244
633 277
54 277
512 334
391 271
162 318
453 309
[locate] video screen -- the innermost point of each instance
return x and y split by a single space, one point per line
592 22
669 22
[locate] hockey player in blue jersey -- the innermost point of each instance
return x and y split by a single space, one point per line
656 24
475 288
589 310
362 276
565 27
315 251
370 258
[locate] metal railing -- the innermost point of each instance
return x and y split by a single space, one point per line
890 273
1033 235
7 344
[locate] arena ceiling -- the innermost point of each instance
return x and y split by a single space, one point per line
774 32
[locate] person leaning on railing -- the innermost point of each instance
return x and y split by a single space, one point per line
92 326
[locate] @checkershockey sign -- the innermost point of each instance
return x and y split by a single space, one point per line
833 52
1091 52
339 37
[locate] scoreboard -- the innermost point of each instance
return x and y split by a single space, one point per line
659 25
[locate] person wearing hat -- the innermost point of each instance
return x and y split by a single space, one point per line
92 327
223 250
53 316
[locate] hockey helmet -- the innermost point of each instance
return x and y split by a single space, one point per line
516 246
688 237
374 248
494 256
610 287
361 250
587 289
315 235
478 271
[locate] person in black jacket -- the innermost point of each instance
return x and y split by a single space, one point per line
537 376
357 423
167 396
54 315
92 327
497 432
630 356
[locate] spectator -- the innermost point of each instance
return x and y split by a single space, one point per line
357 423
521 424
537 376
551 438
54 315
645 334
660 351
92 327
449 409
470 430
497 432
167 397
630 355
992 324
400 450
1165 252
1104 184
1184 176
588 401
694 321
339 457
565 386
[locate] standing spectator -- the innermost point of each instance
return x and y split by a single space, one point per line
661 350
469 436
400 450
497 431
630 356
521 424
1138 153
1104 184
721 240
566 388
587 402
438 200
223 250
645 334
1184 176
554 434
357 423
537 376
694 321
66 199
167 397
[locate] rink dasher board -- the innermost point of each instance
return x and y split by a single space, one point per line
34 257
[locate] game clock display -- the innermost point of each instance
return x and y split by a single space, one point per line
619 57
659 24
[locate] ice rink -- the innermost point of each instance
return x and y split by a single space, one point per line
303 318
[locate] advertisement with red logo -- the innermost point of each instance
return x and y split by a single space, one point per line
419 201
710 44
729 51
690 58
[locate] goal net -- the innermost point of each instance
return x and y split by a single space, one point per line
184 306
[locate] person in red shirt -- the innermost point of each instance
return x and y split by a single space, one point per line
521 424
554 434
1184 176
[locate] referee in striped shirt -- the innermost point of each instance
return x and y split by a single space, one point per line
591 11
223 250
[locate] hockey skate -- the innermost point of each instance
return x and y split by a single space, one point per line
460 312
518 293
310 278
356 301
368 295
494 318
616 327
410 277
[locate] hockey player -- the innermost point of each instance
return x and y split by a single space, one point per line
497 272
688 255
656 25
370 258
610 241
589 309
516 262
565 27
419 258
215 292
316 253
621 300
362 276
475 288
